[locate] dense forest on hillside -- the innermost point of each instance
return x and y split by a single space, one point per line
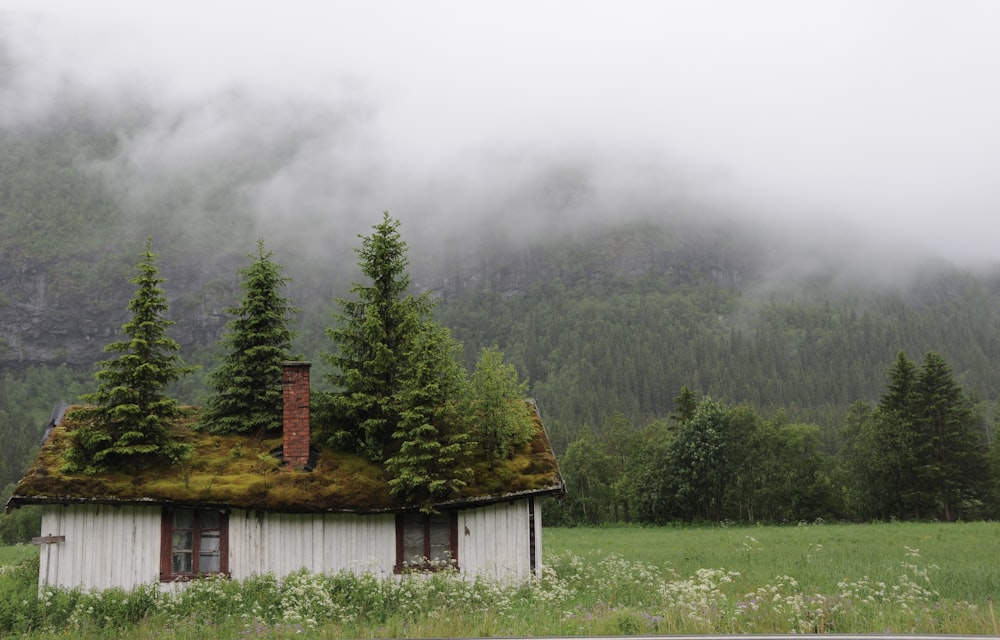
595 340
607 322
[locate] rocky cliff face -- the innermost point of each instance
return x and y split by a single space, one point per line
34 328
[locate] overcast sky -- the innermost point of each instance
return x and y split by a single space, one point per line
880 116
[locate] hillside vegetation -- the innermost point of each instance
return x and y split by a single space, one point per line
608 322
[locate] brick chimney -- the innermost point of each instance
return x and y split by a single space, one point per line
295 418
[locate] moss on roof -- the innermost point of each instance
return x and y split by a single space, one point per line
239 471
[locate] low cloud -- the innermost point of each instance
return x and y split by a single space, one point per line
867 130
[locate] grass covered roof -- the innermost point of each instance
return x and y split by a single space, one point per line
240 471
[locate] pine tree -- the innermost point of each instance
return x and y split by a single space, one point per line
951 463
130 422
430 462
900 389
685 404
895 438
373 340
917 454
247 384
402 396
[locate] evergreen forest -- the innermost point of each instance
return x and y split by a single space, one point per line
689 366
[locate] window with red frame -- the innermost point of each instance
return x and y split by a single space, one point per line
426 542
193 543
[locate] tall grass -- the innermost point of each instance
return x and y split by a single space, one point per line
819 556
14 553
901 578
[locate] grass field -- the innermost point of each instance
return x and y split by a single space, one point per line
963 558
885 578
12 554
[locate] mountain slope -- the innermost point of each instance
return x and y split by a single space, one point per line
601 318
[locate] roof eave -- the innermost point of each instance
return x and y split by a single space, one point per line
18 501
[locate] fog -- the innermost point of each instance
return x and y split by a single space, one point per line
870 125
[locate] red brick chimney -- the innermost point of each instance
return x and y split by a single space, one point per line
295 419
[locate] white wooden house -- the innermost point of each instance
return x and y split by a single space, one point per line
235 510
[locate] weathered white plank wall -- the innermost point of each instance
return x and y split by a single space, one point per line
282 543
105 546
109 546
538 538
493 541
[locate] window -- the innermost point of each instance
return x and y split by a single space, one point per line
193 542
426 542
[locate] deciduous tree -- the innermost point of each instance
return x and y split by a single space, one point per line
502 419
587 471
708 456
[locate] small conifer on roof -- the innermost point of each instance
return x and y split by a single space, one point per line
129 417
247 385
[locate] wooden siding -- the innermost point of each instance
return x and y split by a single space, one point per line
108 546
105 546
494 541
281 543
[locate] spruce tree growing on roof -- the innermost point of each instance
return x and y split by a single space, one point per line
247 385
401 395
431 457
373 340
129 422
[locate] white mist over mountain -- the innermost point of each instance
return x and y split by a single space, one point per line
871 125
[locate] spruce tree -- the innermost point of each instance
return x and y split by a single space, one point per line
917 454
430 462
685 404
951 463
129 424
901 386
373 341
895 440
247 385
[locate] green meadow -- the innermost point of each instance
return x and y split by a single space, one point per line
822 578
13 554
963 559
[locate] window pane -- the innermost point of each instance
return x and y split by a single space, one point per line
440 529
210 542
208 562
182 541
183 518
209 519
180 563
413 539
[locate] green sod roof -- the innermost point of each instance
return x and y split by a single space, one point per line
240 471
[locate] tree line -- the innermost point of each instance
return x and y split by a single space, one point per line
916 453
